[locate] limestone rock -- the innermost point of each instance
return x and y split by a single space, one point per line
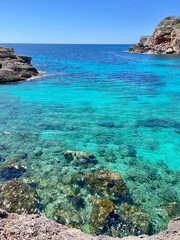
15 67
164 40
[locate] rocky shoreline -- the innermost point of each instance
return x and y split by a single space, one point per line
15 67
164 40
35 227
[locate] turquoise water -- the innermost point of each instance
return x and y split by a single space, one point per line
99 99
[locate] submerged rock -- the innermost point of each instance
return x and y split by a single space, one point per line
133 221
172 209
127 151
79 156
102 207
11 170
18 197
15 67
107 184
165 38
68 215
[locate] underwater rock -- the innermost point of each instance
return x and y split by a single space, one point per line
107 184
127 151
68 215
106 124
102 207
172 209
79 156
22 155
18 197
38 151
11 170
133 221
154 123
110 156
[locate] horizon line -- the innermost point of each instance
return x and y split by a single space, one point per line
71 43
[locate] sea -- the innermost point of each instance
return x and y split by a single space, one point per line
122 107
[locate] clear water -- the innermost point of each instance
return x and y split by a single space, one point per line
98 99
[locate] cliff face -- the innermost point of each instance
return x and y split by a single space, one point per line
15 67
164 40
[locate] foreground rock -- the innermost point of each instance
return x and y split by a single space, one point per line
35 227
165 38
15 67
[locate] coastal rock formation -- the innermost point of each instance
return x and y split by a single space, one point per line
164 40
35 227
15 67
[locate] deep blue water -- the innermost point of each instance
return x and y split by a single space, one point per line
99 99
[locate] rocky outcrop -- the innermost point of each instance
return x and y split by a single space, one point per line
164 40
15 67
35 227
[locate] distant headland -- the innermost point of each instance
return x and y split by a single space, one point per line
164 40
15 67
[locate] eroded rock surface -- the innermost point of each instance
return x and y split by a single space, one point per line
164 40
15 67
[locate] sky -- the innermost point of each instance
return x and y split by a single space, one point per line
82 21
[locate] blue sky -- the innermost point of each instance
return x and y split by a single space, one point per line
81 21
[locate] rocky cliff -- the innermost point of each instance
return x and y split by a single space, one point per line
36 227
15 67
164 40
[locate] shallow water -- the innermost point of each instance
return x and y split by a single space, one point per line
99 99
